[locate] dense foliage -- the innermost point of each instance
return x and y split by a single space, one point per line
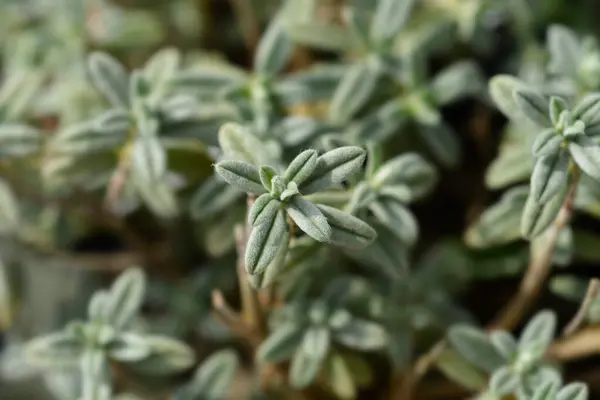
303 199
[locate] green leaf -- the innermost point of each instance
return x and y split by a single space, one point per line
443 142
148 159
281 343
565 50
459 370
266 175
362 195
19 140
588 109
125 297
545 391
505 344
265 239
213 197
539 330
128 347
534 106
504 382
360 334
167 356
213 379
56 350
302 167
358 22
549 176
308 360
390 17
274 50
557 106
547 143
238 143
456 82
397 218
309 219
573 391
263 209
410 170
354 90
347 230
241 175
109 76
502 88
161 68
334 167
538 217
339 377
475 346
10 214
586 154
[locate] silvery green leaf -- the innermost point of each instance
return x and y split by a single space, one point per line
158 196
339 377
455 82
315 84
362 195
475 346
264 241
97 305
382 123
549 176
588 109
545 391
505 344
298 131
500 223
83 139
161 67
309 357
400 346
334 167
266 175
126 296
565 50
586 154
208 79
309 219
128 347
10 214
19 140
109 76
538 217
358 22
264 209
212 197
557 106
148 158
397 218
457 369
443 142
290 191
111 121
239 143
539 330
504 382
213 379
410 170
347 230
274 49
547 143
61 349
302 167
275 269
573 391
319 35
243 176
390 17
281 344
354 90
360 334
534 106
167 356
502 88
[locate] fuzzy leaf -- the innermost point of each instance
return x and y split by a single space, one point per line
308 360
264 242
109 76
125 297
534 106
586 154
167 356
547 143
61 349
128 347
266 175
588 109
549 176
443 142
309 219
557 106
538 217
346 229
274 50
457 81
360 334
573 391
505 344
539 330
390 17
397 218
504 382
475 346
263 209
502 88
410 170
148 159
354 90
213 378
281 344
241 175
302 167
565 50
334 167
238 143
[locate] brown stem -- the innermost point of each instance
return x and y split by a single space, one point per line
579 318
246 19
539 269
582 344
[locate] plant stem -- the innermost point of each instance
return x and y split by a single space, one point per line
246 19
539 268
591 295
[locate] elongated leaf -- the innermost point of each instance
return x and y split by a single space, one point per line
128 347
586 154
588 109
275 269
112 121
547 143
126 296
557 106
148 159
167 356
505 344
266 175
263 209
212 197
161 67
534 106
459 370
334 167
397 218
339 377
538 217
241 175
410 170
57 350
238 143
457 81
10 214
309 358
212 380
19 140
573 391
504 382
539 330
109 76
362 335
549 176
443 142
264 242
502 88
565 50
358 22
475 346
545 391
346 229
302 167
281 344
353 92
390 17
274 50
309 219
